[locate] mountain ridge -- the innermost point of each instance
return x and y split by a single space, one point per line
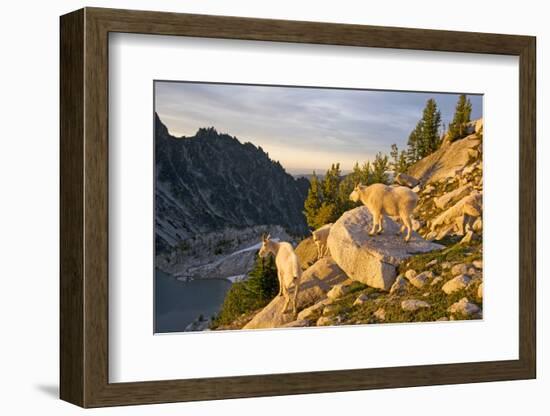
211 180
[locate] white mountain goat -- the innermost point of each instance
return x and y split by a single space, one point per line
288 268
394 201
320 236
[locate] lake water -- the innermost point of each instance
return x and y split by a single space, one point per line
179 303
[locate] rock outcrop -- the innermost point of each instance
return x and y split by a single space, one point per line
468 206
450 195
306 252
406 180
317 281
372 259
448 160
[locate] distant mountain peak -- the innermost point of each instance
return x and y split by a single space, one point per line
208 132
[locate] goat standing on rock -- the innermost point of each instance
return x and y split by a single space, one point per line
320 237
394 201
288 268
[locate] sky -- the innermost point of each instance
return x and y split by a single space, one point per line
305 129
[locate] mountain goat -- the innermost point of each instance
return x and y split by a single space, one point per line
320 236
394 201
288 268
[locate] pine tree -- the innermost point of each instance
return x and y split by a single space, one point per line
402 163
379 168
366 174
263 280
356 174
399 159
313 201
326 214
413 144
345 189
359 174
330 184
431 122
394 153
425 138
250 294
325 201
463 111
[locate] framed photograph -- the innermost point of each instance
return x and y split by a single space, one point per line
255 207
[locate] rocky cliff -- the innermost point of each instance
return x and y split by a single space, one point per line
450 192
212 181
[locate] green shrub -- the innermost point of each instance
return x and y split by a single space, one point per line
251 294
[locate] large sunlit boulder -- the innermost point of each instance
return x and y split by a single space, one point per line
372 259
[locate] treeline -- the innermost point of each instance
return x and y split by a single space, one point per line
428 134
328 198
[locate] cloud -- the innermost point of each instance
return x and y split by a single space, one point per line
303 128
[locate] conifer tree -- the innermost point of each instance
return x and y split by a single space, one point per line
463 111
359 174
345 189
399 159
366 174
326 214
425 138
402 163
251 294
394 153
413 144
356 174
379 168
431 122
330 184
313 201
263 280
325 201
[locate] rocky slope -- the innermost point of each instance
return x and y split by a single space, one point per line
212 181
438 276
450 190
226 254
450 158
